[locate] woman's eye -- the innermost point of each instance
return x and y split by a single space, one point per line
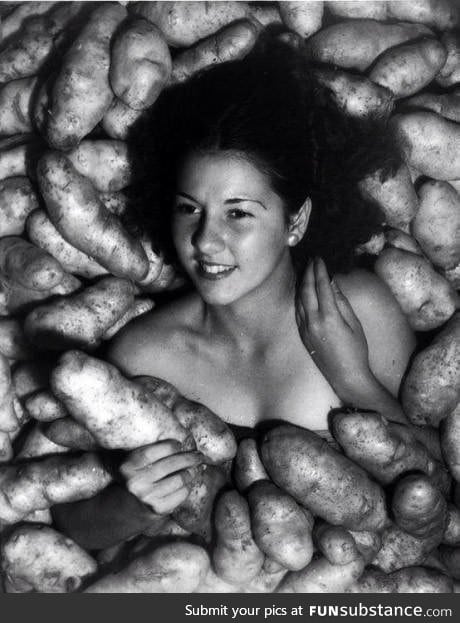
237 213
186 208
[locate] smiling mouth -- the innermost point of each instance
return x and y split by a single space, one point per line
214 271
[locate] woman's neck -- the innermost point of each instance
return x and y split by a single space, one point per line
256 319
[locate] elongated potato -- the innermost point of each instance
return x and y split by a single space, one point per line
12 23
27 265
320 576
118 412
429 143
68 433
139 307
44 406
419 507
36 444
105 162
41 483
324 481
15 102
440 14
427 299
140 64
81 93
450 72
431 391
231 43
356 95
446 104
212 436
119 119
44 235
371 9
436 225
164 391
248 467
17 200
407 68
304 18
8 419
76 211
357 43
170 568
281 528
82 319
401 549
40 559
421 580
265 14
184 23
450 441
395 196
236 557
13 342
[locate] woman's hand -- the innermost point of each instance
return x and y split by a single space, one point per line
332 333
158 474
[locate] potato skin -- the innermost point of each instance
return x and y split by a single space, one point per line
401 549
450 442
421 580
430 391
304 18
17 200
320 576
247 467
321 479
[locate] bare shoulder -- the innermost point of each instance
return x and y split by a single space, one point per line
390 339
150 344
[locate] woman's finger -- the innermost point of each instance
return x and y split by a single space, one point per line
142 485
168 503
140 458
307 293
344 307
326 300
169 465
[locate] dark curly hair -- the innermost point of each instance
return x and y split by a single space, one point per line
269 107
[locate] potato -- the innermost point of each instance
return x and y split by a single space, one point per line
115 202
400 240
324 481
195 514
320 576
184 23
212 583
27 265
236 557
140 64
430 391
265 14
8 419
407 68
449 74
106 163
436 225
247 467
82 319
76 211
356 95
427 299
6 449
40 559
373 581
429 143
450 441
138 308
304 18
213 438
280 527
373 246
357 43
440 14
14 159
44 235
335 543
17 200
164 391
44 407
450 557
81 93
385 450
419 507
401 549
21 12
30 377
231 43
15 102
119 119
36 445
69 434
371 9
41 483
367 543
395 196
170 568
13 342
446 105
451 534
118 412
421 580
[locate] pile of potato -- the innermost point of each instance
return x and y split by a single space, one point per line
289 513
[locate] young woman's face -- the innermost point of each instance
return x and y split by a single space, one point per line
229 227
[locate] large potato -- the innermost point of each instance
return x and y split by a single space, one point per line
304 18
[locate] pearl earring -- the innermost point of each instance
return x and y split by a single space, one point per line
292 240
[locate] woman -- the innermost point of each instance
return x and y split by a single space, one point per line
253 171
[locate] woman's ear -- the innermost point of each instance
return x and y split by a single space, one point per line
298 223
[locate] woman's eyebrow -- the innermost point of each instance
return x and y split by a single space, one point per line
240 200
182 194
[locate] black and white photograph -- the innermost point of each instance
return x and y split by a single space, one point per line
229 275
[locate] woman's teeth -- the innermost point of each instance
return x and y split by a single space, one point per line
215 269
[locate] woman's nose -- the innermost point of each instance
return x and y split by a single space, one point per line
207 238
